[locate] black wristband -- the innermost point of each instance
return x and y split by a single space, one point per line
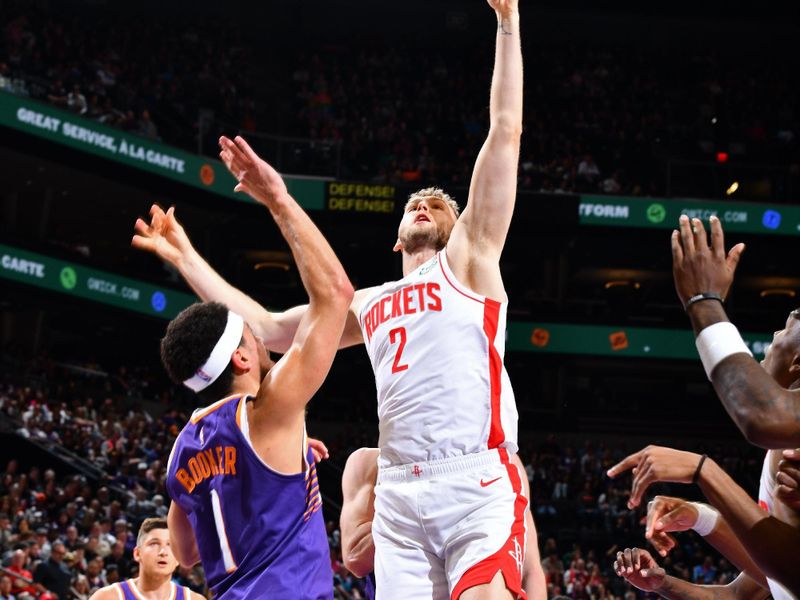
696 475
704 296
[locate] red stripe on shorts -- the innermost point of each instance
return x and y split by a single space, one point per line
509 559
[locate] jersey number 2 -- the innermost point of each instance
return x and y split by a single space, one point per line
398 335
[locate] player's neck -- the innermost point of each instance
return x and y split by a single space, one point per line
417 259
243 385
154 587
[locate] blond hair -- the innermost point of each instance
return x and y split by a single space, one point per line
434 192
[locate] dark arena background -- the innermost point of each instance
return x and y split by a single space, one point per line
634 114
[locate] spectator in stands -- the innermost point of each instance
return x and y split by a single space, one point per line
705 573
76 101
21 586
53 574
5 588
146 127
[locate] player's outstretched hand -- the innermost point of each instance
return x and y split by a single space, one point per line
638 567
666 514
697 267
654 464
255 176
163 236
504 8
318 449
788 479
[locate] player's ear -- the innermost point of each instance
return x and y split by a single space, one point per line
240 360
398 246
794 368
136 555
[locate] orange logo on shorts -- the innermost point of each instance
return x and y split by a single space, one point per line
207 174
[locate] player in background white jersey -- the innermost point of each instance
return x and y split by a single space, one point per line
474 553
782 363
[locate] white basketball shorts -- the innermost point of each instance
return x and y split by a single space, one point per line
444 526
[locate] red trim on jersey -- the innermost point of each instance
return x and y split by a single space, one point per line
509 559
491 318
442 258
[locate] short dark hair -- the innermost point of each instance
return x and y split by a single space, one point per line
188 342
149 525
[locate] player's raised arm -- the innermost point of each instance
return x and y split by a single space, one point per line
297 376
484 224
165 237
764 411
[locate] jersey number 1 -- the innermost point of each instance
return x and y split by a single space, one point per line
398 334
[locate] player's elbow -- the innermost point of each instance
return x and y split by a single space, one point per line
343 290
768 433
359 557
357 565
506 126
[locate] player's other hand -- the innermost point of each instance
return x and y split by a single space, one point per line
696 266
163 236
654 464
504 8
666 514
788 479
638 567
318 449
255 176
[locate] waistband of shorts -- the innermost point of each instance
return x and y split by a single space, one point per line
444 466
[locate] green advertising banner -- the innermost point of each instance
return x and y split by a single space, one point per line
65 128
601 340
549 338
661 213
91 284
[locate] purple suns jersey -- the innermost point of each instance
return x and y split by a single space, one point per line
260 533
127 590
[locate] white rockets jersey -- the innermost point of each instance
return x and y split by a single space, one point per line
766 499
437 351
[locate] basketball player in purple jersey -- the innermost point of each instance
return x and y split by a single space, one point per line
156 565
241 474
448 419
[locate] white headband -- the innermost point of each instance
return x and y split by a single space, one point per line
220 355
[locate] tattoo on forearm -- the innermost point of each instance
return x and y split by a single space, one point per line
503 27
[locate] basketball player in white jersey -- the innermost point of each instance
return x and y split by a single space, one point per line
358 509
156 566
449 510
